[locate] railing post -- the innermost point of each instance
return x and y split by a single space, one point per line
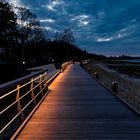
19 108
115 87
45 77
96 74
32 91
40 84
45 81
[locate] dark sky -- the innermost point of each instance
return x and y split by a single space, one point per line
110 27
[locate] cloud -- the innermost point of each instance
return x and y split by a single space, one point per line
118 35
47 20
49 7
101 14
82 20
104 39
48 28
52 5
15 2
102 26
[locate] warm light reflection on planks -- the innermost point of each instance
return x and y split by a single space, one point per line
78 107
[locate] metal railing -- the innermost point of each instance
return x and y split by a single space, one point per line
64 65
19 98
128 90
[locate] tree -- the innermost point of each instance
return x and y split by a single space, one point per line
29 29
65 36
7 28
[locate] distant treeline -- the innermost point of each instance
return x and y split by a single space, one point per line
102 57
123 57
23 39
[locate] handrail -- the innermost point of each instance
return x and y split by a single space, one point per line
64 65
22 95
126 89
21 80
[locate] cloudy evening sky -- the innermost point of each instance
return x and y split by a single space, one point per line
110 27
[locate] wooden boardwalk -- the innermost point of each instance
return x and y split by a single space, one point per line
79 108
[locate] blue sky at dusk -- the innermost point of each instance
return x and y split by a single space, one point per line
109 27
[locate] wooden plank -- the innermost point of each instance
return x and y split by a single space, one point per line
78 107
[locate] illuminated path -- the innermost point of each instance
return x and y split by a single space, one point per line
79 108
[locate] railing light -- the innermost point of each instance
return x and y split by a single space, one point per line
23 62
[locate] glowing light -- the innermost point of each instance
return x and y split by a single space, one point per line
23 62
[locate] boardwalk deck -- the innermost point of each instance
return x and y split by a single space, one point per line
78 107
